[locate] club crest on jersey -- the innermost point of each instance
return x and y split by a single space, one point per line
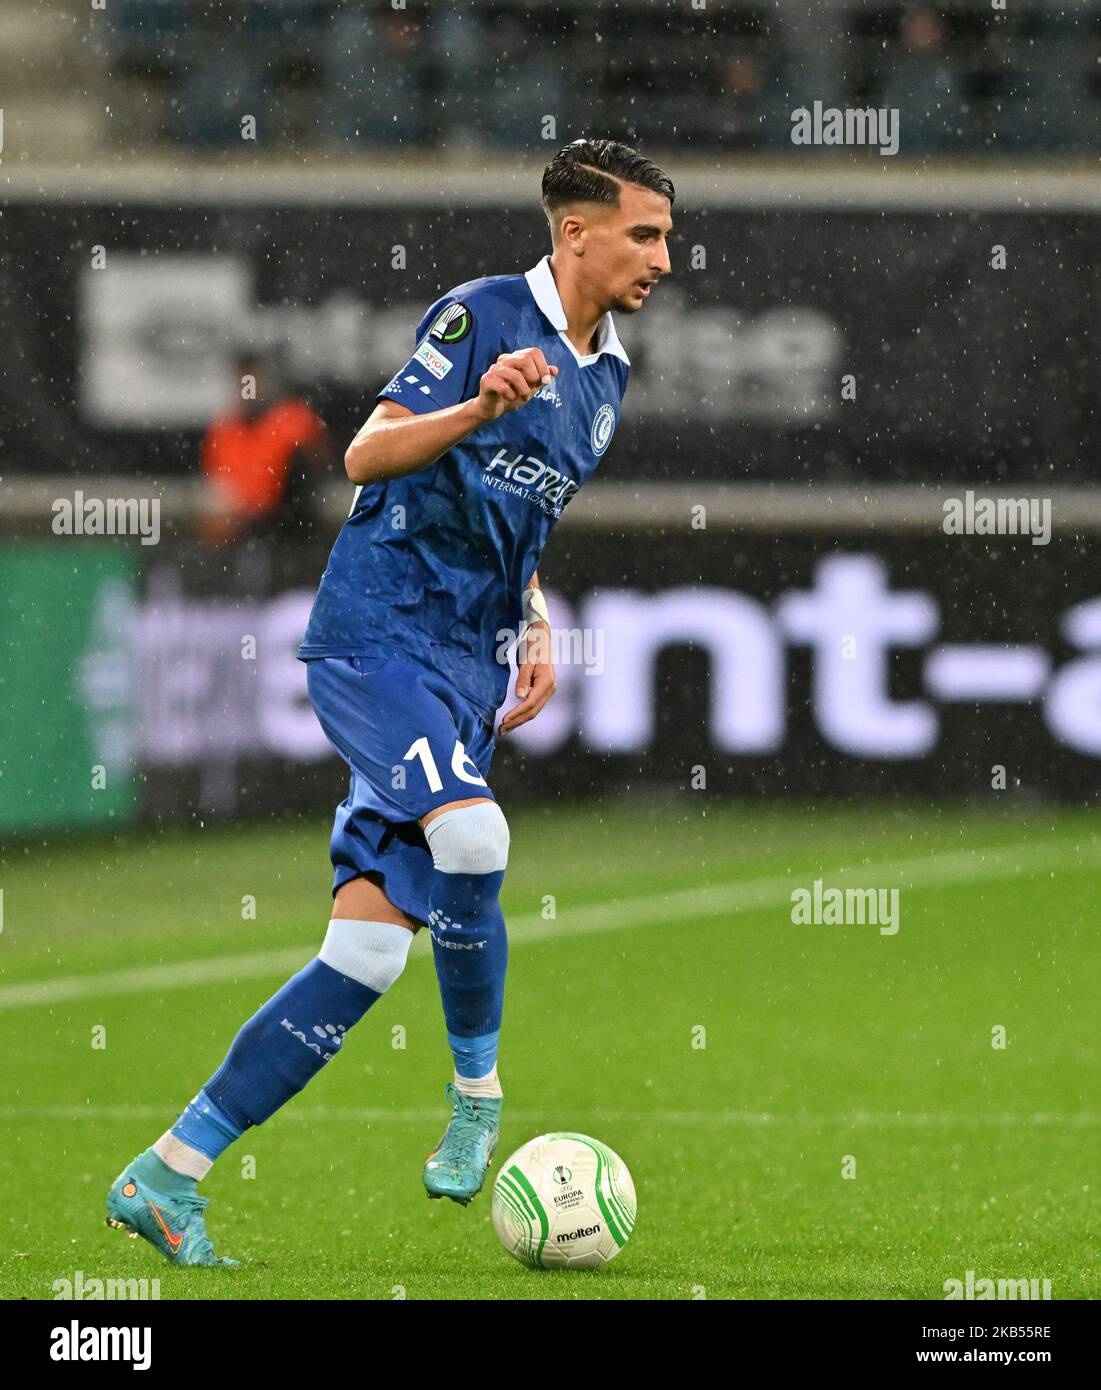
452 324
603 428
436 362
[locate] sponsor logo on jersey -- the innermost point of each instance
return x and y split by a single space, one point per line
436 362
452 324
603 428
528 473
549 393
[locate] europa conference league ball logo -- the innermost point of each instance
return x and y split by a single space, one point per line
453 324
603 426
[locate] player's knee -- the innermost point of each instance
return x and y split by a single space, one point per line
371 953
469 840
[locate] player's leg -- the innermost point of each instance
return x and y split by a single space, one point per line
274 1055
362 900
301 1027
291 1037
423 813
469 841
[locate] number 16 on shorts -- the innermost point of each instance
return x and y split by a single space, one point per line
462 765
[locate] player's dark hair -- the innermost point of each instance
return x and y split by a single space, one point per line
579 173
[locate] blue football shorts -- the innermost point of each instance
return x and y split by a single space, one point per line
413 743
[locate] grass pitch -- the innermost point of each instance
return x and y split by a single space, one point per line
821 1047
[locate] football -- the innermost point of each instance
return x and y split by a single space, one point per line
564 1201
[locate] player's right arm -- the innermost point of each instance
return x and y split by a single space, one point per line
396 440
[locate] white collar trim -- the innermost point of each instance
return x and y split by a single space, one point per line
544 291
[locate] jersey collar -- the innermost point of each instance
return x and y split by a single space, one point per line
544 291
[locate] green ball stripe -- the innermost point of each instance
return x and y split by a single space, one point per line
605 1165
526 1249
625 1208
509 1199
528 1192
603 1191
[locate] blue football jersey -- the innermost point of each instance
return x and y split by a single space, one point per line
432 566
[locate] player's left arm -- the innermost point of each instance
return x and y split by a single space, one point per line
535 681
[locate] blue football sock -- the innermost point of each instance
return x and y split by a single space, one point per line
206 1128
298 1030
282 1047
474 1057
470 946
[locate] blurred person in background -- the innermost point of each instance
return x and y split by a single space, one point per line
261 458
384 78
737 113
923 83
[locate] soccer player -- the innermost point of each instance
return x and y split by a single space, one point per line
503 411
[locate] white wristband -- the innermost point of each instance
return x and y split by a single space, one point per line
535 607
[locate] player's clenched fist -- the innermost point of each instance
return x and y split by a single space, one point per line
512 381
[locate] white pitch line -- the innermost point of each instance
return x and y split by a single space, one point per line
686 904
367 1114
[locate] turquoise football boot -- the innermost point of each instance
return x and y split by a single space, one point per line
456 1167
152 1200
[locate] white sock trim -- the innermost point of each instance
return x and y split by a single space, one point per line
181 1157
373 953
488 1086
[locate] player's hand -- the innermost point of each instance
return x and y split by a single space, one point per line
512 381
535 682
